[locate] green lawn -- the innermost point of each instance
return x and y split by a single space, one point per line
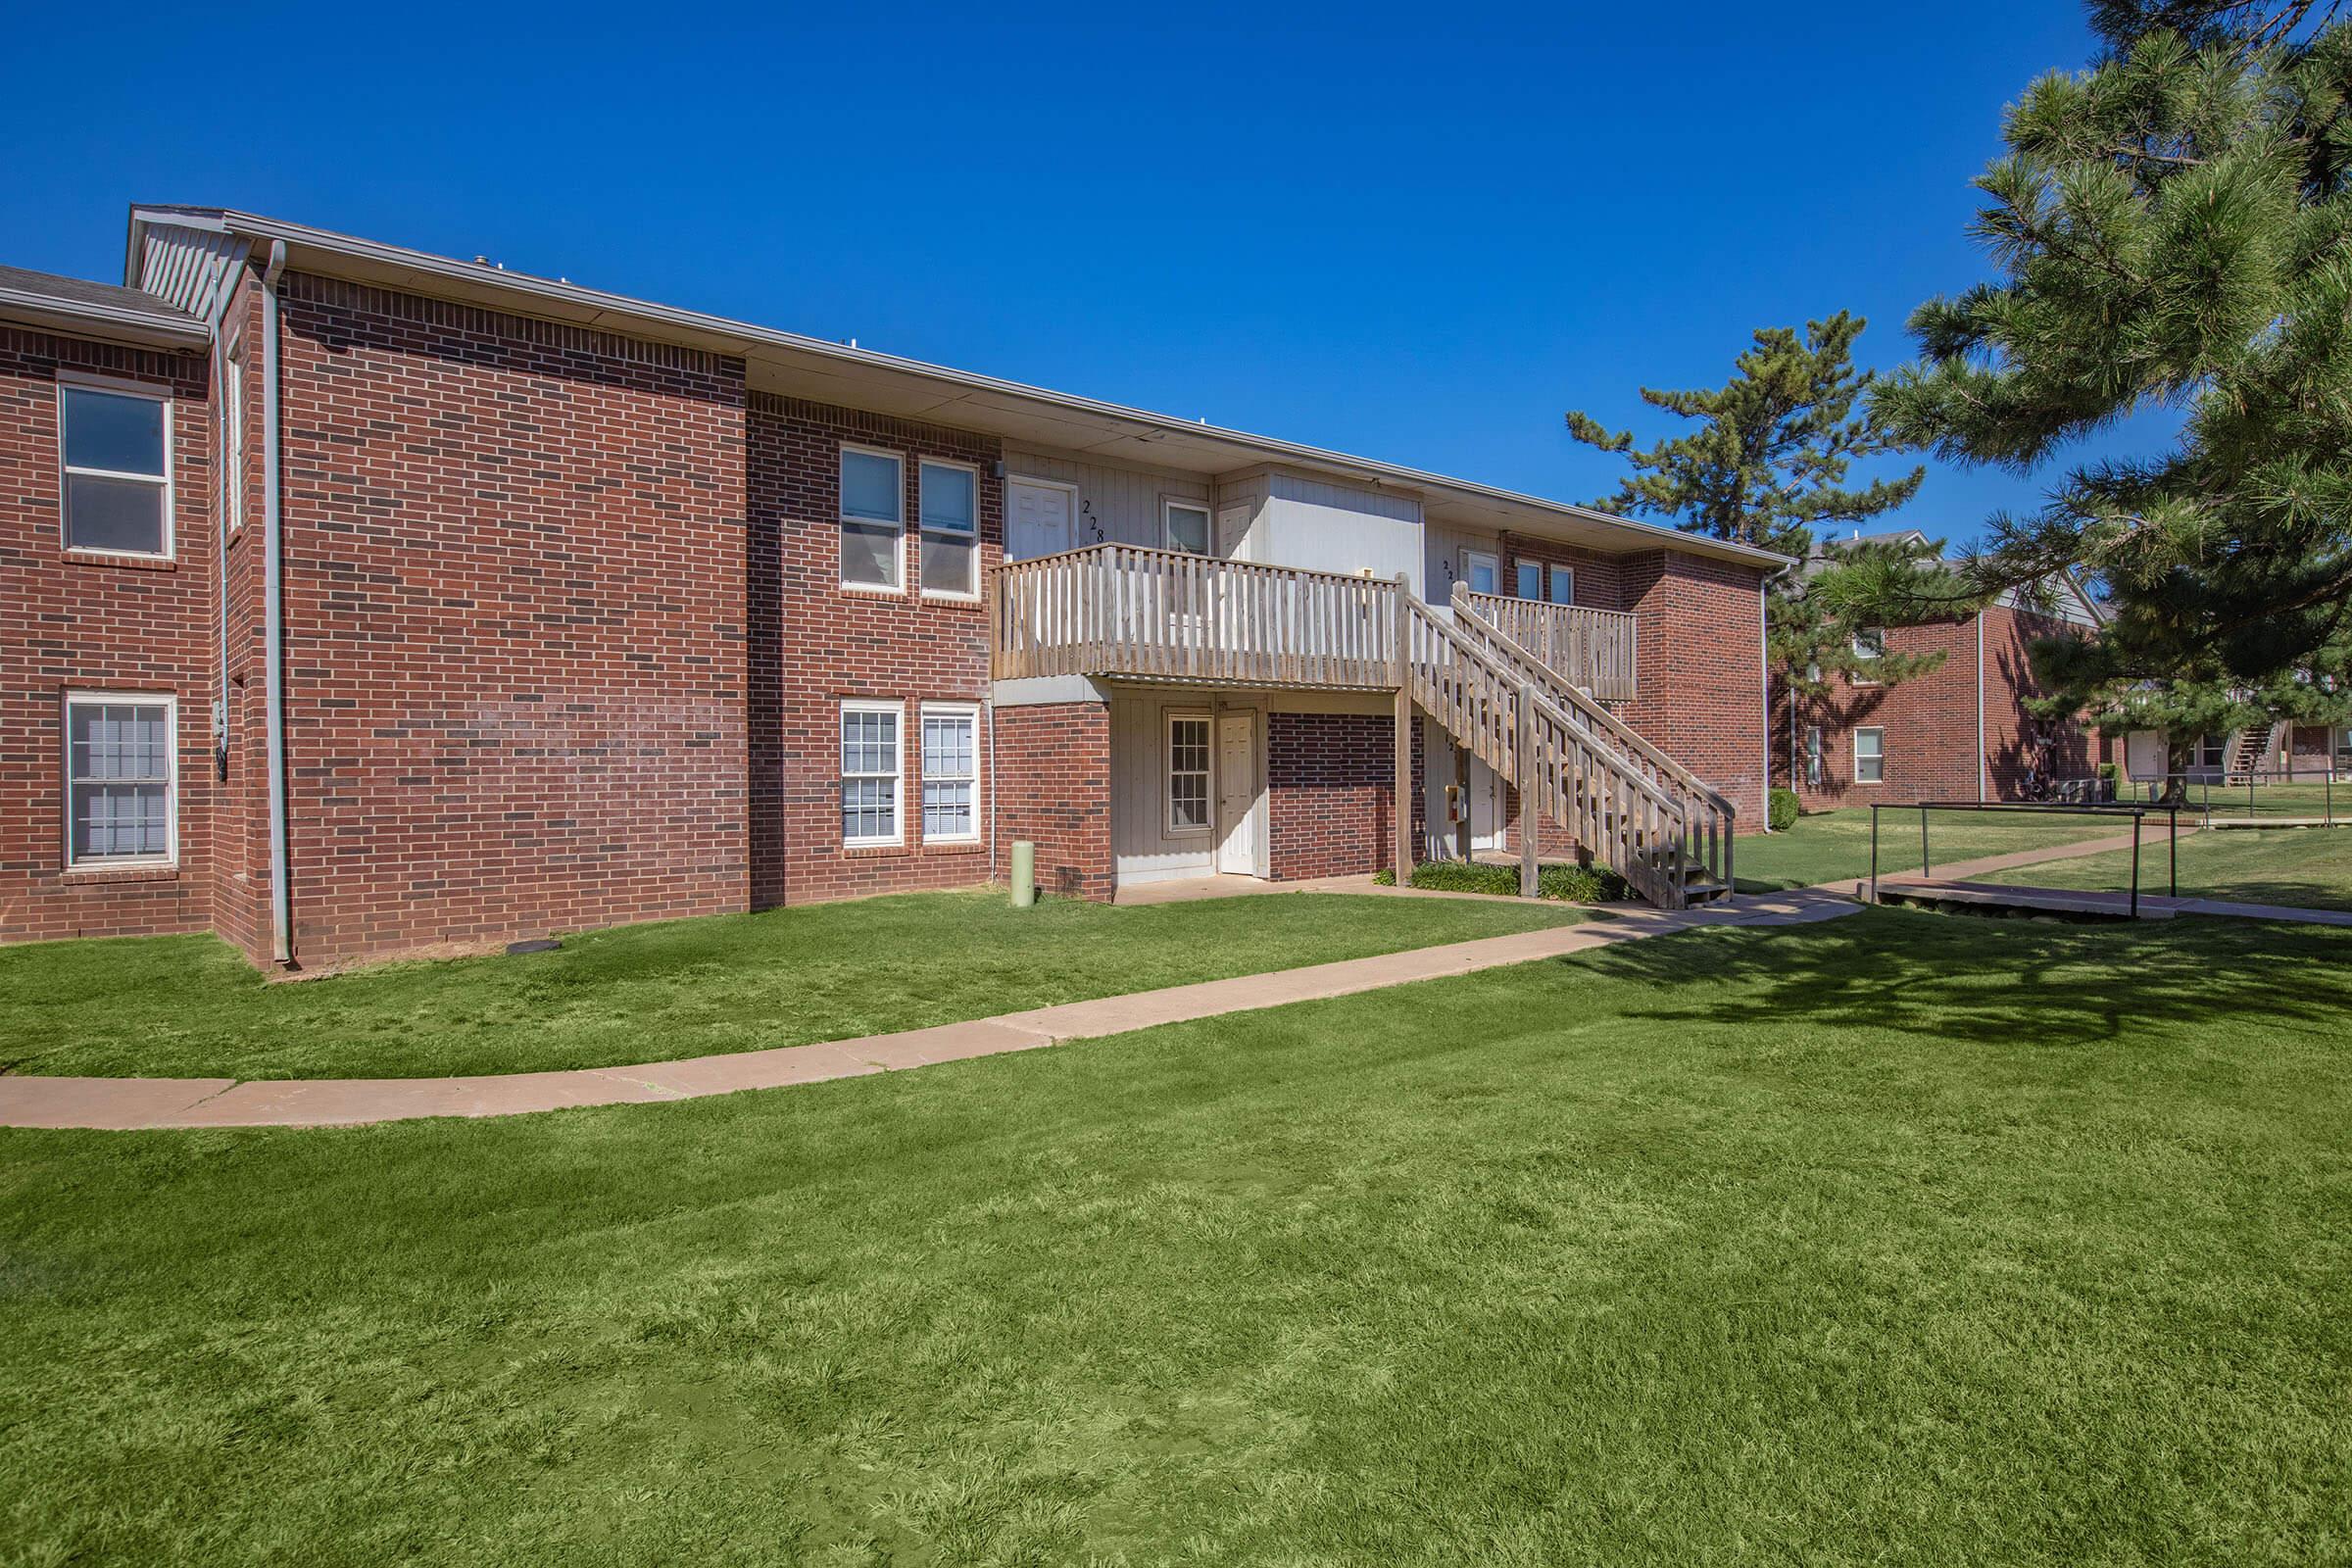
2315 800
1901 1238
683 987
2305 868
1835 846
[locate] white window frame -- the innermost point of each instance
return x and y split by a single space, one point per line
921 463
1816 759
1552 573
1207 773
75 379
169 859
1168 506
1880 731
969 713
895 588
232 435
1470 562
898 775
1869 646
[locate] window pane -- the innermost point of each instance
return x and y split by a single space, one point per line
867 809
1531 581
947 745
108 430
870 742
1188 773
870 487
1481 573
948 500
113 820
118 741
947 810
113 515
949 564
869 555
1187 530
1563 586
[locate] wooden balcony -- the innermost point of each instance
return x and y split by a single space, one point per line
1157 615
1591 648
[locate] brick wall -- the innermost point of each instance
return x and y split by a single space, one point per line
78 624
514 624
815 644
1701 670
1053 760
1331 785
1929 722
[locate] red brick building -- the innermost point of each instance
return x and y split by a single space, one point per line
1959 732
365 601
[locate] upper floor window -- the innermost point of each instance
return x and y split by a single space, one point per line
1481 573
119 779
873 519
1562 582
1186 527
950 513
1555 584
116 469
1870 644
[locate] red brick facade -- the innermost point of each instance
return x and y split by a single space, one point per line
1927 724
85 623
1331 794
565 644
1054 762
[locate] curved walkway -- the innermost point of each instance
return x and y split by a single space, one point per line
126 1103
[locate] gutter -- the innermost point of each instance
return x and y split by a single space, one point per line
273 597
113 321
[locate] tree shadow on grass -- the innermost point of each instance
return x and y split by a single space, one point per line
1964 977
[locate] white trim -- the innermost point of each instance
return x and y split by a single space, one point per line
169 859
897 779
970 713
232 433
1167 527
920 464
1880 731
895 588
1493 558
1169 719
1814 765
81 381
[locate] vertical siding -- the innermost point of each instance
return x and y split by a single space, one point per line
184 267
1115 505
1141 847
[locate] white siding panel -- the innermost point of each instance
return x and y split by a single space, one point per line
184 267
1141 849
1329 527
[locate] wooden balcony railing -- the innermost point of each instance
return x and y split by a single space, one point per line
1592 648
1121 610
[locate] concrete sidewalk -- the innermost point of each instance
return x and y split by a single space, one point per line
126 1103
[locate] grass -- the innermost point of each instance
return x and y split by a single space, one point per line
683 987
1835 846
2301 867
1896 1239
2315 800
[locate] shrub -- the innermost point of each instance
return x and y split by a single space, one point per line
1565 884
1781 813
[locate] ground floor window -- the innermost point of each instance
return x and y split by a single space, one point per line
2213 751
950 773
1813 755
1870 756
869 773
120 779
1188 772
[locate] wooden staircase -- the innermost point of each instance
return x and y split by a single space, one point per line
1640 811
2250 748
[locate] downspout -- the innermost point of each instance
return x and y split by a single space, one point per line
220 363
1983 780
273 610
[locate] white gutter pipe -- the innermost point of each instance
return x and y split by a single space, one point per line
273 597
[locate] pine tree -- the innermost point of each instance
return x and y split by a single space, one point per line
2171 228
1767 464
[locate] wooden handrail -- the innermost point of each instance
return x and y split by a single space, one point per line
1592 648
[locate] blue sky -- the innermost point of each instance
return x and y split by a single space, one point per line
1417 242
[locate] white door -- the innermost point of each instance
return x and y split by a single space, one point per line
1487 818
1037 519
1237 793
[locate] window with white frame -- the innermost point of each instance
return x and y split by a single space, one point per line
1870 645
1561 580
119 777
1870 756
869 773
950 773
873 517
1480 571
232 444
1186 527
949 510
115 444
1188 772
2213 751
1531 581
1813 755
